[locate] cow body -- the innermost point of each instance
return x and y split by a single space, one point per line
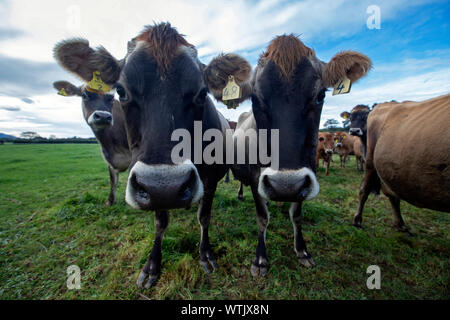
407 157
162 90
325 149
105 117
344 146
287 91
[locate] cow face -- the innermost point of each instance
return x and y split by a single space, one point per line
358 120
288 92
339 138
97 107
161 89
326 141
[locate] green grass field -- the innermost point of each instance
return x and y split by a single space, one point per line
52 215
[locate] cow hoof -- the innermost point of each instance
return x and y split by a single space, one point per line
240 198
306 259
404 229
146 280
206 265
109 203
258 271
357 222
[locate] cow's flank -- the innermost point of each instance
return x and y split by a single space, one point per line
406 157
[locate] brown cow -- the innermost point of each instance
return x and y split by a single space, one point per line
325 149
359 154
344 146
407 157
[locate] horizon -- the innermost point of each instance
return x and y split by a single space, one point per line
409 48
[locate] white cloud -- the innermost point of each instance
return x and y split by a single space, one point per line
215 26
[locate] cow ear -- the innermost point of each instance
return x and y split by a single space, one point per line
76 56
345 115
217 73
350 64
65 88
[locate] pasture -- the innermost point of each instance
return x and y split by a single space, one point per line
52 215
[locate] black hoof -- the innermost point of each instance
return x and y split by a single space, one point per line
146 280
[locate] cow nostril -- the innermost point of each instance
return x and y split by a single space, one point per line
142 196
304 191
97 116
186 191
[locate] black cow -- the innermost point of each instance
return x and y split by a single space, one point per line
288 91
106 119
161 87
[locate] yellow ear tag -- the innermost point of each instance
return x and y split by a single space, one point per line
63 92
231 92
345 117
343 86
97 83
344 137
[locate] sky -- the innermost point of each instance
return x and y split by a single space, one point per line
410 48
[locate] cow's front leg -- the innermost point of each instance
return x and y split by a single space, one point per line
260 264
113 179
204 216
295 213
149 275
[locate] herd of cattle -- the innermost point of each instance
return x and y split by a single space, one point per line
162 86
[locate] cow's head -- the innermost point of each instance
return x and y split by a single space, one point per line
97 107
288 91
358 120
327 142
161 87
339 138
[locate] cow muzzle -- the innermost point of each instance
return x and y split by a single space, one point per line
356 132
339 145
163 187
329 151
288 185
101 119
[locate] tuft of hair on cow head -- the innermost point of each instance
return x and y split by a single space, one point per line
69 88
361 107
76 56
217 73
350 64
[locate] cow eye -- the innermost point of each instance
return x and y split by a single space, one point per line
85 96
122 93
320 97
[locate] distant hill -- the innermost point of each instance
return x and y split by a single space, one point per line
7 136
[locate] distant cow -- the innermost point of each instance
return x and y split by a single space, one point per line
2 142
325 148
358 122
105 117
288 91
162 90
344 146
408 154
359 154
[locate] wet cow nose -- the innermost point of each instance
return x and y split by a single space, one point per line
355 131
103 117
163 187
279 190
329 151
